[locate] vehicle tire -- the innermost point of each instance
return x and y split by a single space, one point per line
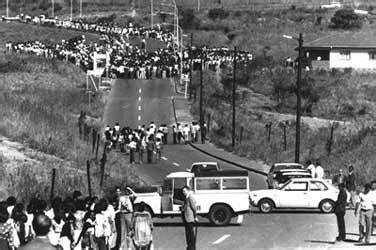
147 208
220 215
266 206
326 206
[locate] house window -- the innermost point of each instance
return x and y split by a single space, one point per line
345 55
372 55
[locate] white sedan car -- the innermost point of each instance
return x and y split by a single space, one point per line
332 5
303 193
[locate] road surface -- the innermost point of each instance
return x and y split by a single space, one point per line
280 230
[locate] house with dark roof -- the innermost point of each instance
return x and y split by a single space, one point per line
349 49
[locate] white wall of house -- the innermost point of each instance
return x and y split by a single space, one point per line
357 59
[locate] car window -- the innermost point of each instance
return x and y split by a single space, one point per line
208 184
234 183
167 186
297 186
317 186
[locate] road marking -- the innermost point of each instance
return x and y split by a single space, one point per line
139 91
176 164
221 239
139 98
139 108
164 158
139 118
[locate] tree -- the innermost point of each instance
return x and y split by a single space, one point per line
346 19
187 19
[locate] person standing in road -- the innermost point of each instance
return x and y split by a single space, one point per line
189 217
132 149
340 211
319 171
350 185
311 168
365 210
203 132
174 134
125 210
339 178
150 147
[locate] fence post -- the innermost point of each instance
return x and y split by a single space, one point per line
102 165
209 120
94 137
52 184
96 151
88 177
241 135
284 138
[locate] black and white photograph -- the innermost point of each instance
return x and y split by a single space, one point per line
187 124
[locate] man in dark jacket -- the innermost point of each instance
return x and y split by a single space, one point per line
340 211
350 185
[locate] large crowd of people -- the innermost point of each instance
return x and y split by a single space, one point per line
127 60
76 223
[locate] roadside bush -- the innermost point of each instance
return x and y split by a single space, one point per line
188 20
346 19
218 13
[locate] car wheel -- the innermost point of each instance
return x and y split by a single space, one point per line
147 209
220 215
326 206
266 206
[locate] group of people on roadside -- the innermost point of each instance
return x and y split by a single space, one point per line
362 202
150 139
145 139
76 223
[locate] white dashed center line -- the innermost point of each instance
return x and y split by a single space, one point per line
224 237
139 118
176 164
139 91
164 158
139 98
139 108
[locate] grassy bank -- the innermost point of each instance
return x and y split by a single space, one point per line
40 102
342 96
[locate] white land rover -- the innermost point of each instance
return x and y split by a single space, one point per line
220 196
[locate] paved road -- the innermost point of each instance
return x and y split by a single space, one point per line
281 230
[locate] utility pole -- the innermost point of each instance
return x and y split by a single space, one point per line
298 99
198 5
7 9
201 87
80 8
233 99
152 14
190 67
71 10
53 8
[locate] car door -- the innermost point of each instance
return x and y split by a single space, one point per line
294 194
317 192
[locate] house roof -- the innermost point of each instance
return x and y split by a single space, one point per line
348 39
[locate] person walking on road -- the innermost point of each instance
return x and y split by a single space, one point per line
150 147
365 210
350 185
132 150
189 217
340 211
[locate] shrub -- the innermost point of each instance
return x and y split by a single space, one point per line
346 19
188 20
218 13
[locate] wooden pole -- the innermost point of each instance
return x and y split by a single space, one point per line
53 184
88 177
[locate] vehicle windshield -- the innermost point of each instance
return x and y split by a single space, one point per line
284 185
280 167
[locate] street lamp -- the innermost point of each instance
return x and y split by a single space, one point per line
71 10
233 98
298 95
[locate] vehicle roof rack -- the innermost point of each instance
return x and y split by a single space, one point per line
222 173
